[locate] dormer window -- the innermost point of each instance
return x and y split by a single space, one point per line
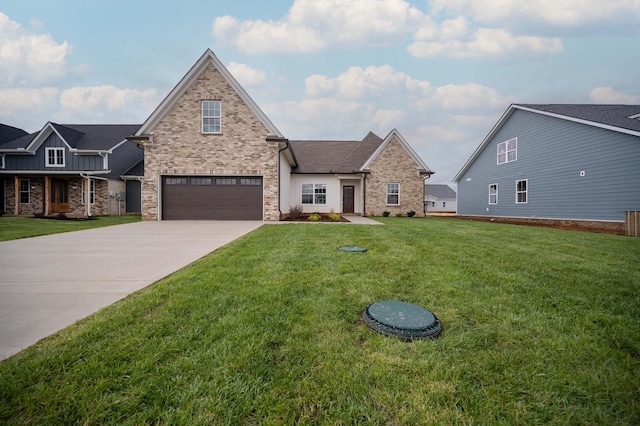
211 117
54 157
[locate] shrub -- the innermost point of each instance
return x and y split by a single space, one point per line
386 213
411 213
295 212
314 217
399 214
334 217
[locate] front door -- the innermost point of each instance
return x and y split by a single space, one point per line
59 196
347 199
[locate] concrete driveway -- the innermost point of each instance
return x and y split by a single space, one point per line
50 282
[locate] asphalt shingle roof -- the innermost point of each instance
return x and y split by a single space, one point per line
333 156
96 137
136 170
10 133
612 115
440 191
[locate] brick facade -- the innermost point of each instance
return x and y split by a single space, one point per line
394 165
178 146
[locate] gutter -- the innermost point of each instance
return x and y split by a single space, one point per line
286 141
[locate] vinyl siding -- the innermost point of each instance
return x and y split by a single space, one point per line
551 154
37 161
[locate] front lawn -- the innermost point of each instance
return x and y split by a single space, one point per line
13 228
540 326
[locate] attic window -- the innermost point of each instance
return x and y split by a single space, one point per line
54 157
508 151
211 117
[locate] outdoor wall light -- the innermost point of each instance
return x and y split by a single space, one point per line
74 186
34 185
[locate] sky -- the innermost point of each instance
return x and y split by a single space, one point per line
441 72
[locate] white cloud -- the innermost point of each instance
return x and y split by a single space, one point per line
608 95
373 81
467 96
484 42
100 97
246 75
557 13
312 25
26 100
25 56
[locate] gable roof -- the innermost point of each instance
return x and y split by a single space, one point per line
316 156
346 156
78 137
438 191
394 133
208 58
617 118
10 133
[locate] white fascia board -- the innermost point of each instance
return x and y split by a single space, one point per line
484 142
581 121
195 71
404 144
43 135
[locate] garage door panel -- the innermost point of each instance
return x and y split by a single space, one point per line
200 198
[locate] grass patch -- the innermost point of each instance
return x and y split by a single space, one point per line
541 326
13 228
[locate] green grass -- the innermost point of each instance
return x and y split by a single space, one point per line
13 228
541 326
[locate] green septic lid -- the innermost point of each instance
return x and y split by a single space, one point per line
353 249
400 319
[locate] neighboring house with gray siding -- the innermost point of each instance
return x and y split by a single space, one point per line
556 162
67 169
439 199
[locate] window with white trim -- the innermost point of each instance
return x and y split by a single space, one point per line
314 193
1 161
211 116
54 157
92 192
508 151
493 193
522 189
25 191
393 194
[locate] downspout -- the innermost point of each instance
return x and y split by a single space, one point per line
88 196
425 201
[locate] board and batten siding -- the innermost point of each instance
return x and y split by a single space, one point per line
37 161
551 155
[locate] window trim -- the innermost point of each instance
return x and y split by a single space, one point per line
28 191
92 192
214 117
59 154
525 192
318 194
496 194
397 194
2 160
507 151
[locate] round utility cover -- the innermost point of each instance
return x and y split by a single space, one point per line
400 319
353 249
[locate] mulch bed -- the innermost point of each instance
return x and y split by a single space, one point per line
304 217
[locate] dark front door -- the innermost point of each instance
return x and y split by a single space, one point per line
59 196
347 199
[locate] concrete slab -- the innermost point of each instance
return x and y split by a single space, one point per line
47 283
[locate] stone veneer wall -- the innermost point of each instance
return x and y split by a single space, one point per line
179 147
384 169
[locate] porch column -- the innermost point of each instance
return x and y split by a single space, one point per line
16 207
46 195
